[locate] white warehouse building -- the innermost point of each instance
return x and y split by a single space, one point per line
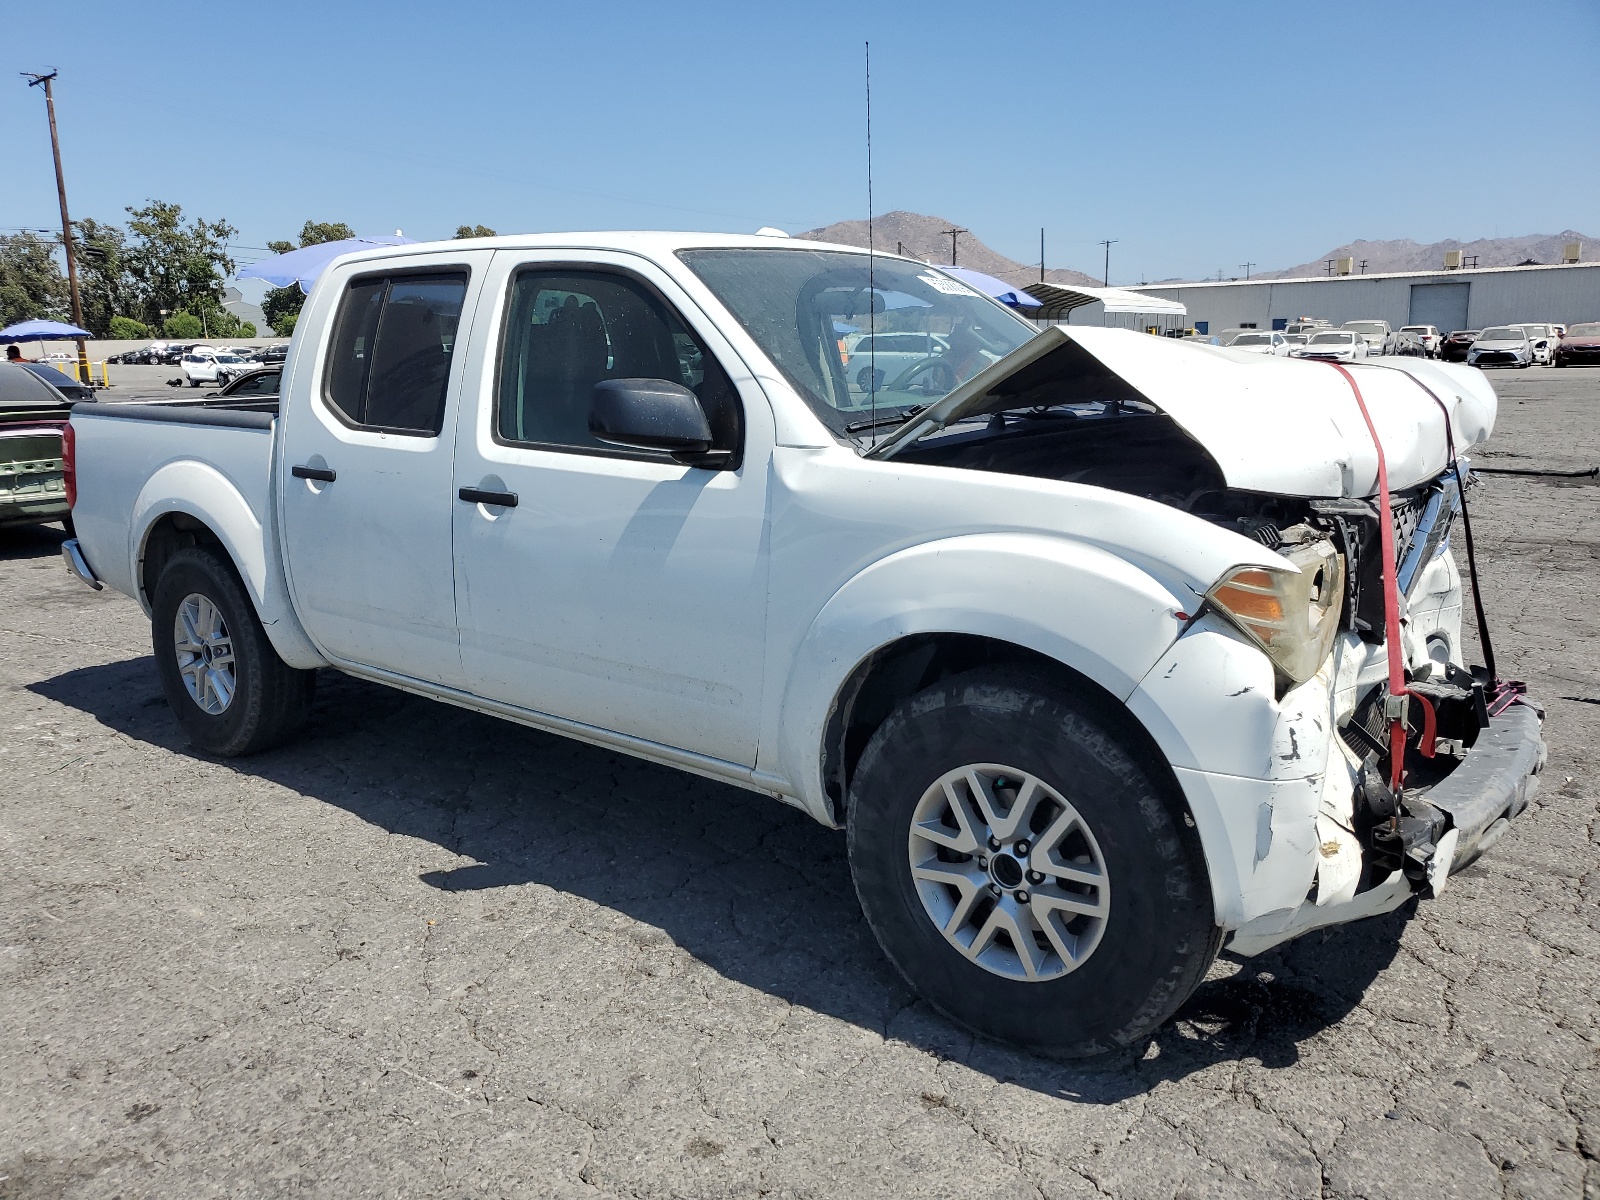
1464 299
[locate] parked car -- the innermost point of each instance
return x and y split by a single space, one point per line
1543 339
205 365
61 381
1454 348
1333 345
1408 345
1580 347
893 354
1068 648
32 416
1428 335
1259 341
1296 339
273 354
1306 325
174 352
1501 346
1377 335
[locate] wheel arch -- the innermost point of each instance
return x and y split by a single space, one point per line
894 672
188 504
926 611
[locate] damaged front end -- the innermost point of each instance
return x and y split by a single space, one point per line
1472 752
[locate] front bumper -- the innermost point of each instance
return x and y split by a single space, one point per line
1479 799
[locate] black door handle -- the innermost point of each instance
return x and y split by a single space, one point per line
324 474
479 496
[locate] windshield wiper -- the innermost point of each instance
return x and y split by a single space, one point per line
889 418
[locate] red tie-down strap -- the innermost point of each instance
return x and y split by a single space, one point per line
1398 698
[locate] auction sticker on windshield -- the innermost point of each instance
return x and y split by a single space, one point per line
943 283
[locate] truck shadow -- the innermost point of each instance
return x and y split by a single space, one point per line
754 889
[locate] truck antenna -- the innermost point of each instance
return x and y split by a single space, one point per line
872 278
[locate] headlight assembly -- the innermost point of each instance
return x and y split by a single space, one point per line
1292 615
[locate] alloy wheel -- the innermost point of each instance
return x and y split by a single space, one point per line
204 648
1009 872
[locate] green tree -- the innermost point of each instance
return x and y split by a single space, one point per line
471 231
182 325
174 265
31 283
126 329
104 285
247 329
282 305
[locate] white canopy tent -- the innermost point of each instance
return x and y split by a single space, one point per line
1116 307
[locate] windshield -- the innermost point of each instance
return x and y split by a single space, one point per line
229 358
1364 326
1333 339
1252 339
1422 329
1586 329
1501 334
801 306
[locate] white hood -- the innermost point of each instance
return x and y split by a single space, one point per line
1281 425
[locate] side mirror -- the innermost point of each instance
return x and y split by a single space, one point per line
653 414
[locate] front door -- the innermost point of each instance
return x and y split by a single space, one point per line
366 476
622 590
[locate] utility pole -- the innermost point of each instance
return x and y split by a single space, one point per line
953 234
1363 266
1041 254
1246 268
1108 243
66 221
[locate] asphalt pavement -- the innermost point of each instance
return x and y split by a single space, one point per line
422 952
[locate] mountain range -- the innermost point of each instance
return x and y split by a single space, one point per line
1403 254
918 235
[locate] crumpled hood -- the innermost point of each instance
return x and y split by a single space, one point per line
1282 425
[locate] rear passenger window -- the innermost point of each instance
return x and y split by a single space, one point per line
389 363
568 330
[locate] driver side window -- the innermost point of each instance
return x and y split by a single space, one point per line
566 330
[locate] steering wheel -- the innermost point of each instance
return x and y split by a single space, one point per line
931 377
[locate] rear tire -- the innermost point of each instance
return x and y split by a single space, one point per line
1107 848
225 683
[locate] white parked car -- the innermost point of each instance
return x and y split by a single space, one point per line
1429 337
891 355
1501 346
1377 335
1259 341
205 365
1335 345
1543 340
1070 648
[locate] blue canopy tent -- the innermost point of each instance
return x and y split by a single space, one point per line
43 331
302 266
1012 297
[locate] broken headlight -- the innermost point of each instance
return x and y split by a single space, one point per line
1292 615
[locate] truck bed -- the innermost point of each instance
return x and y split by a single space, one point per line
134 459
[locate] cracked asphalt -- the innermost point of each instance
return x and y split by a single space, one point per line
427 953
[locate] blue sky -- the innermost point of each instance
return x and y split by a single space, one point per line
1200 136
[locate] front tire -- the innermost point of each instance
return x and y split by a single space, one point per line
1027 866
225 683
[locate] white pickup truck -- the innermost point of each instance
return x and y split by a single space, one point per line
1080 634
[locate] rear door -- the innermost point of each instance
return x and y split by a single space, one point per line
365 478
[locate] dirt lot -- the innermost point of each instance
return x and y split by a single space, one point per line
426 953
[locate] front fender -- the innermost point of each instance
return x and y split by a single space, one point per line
1072 602
204 493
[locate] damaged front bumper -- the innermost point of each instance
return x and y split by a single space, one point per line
1471 809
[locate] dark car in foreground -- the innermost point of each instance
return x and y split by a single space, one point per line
32 416
1580 347
61 381
1454 348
